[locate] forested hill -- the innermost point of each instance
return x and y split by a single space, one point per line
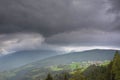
90 55
93 72
78 69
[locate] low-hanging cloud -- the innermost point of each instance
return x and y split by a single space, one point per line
86 38
17 42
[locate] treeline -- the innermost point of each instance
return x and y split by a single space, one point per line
93 72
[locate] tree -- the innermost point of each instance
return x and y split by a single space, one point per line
109 71
49 77
78 75
66 77
116 66
94 72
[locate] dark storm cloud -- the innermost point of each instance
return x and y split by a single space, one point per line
115 8
115 5
86 38
97 27
49 17
44 16
61 23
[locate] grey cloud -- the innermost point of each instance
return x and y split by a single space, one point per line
50 17
115 9
20 41
86 38
33 16
115 5
61 22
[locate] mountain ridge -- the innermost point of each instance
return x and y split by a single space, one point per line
89 55
22 58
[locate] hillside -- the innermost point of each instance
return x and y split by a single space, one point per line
21 58
90 55
56 64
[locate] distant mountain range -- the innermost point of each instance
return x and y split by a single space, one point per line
21 58
47 58
89 55
40 67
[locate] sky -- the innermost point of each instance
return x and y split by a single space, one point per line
60 25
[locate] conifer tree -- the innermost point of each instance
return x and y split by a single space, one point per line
116 66
49 77
78 75
66 77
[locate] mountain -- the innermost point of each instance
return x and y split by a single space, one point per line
90 55
39 58
41 67
21 58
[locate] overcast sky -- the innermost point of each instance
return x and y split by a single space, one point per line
59 25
